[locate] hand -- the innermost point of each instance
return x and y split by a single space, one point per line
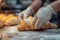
42 16
26 13
49 25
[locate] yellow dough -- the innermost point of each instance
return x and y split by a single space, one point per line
26 25
1 24
11 21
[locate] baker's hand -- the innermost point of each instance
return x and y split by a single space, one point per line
26 13
43 16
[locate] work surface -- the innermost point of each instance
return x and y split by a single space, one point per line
51 34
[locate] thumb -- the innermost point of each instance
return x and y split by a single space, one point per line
34 19
20 16
25 17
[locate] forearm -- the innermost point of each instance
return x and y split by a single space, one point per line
56 5
36 5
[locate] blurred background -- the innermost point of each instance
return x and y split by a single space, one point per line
16 5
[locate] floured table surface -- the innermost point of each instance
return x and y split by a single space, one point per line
51 34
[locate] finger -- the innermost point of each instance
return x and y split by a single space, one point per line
34 19
53 25
43 24
48 25
25 16
37 23
20 16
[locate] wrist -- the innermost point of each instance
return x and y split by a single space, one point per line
51 9
56 5
30 10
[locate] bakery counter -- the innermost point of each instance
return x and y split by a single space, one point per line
12 34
